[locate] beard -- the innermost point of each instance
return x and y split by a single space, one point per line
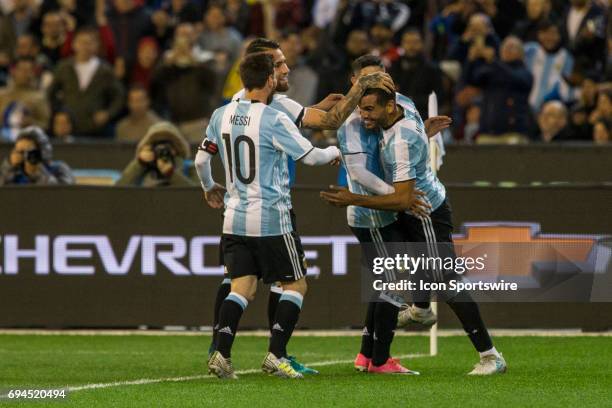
282 86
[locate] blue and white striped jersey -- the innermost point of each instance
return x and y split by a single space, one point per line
353 138
291 108
404 152
548 70
281 103
254 141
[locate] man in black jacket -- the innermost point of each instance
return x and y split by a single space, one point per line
413 74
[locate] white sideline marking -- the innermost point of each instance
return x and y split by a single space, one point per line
308 333
145 381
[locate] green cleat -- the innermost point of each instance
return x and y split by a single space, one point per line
299 367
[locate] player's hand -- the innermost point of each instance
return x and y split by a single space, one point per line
380 80
335 162
214 196
337 196
329 102
436 124
420 207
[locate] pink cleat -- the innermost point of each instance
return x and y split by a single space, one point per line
362 363
392 366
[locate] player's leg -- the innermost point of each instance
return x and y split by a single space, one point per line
281 260
244 275
364 357
387 242
419 311
440 228
273 298
222 292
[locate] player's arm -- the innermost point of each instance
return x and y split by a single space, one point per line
287 138
213 192
401 199
333 119
356 167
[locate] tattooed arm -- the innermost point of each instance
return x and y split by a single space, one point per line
335 117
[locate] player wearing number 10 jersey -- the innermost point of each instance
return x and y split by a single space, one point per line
254 142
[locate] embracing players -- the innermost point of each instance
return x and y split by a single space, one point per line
404 156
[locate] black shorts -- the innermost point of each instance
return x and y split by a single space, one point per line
435 232
293 224
278 258
383 242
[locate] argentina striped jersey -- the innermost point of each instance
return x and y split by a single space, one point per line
254 142
404 149
353 138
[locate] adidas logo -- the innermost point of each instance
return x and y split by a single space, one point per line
226 330
277 327
365 332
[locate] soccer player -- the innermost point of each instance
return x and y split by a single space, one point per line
328 114
359 148
405 159
258 239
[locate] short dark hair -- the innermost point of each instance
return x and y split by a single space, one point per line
364 61
255 70
89 30
261 45
382 96
546 25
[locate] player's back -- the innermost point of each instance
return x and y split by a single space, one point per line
258 199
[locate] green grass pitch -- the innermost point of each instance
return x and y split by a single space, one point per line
543 371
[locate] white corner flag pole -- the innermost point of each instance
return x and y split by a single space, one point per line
436 151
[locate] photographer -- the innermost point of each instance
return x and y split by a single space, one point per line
30 161
159 159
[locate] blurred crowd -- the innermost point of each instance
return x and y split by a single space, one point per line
506 71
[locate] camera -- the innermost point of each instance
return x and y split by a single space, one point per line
33 156
163 151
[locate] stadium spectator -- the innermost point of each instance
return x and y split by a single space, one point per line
505 84
129 23
603 108
140 119
538 11
17 22
87 87
219 38
31 161
148 54
62 125
172 13
53 37
584 30
363 15
601 131
334 65
107 49
552 123
579 127
183 89
237 15
548 62
413 74
382 41
159 160
479 33
21 103
303 79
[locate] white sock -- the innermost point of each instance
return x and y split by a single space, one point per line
491 351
